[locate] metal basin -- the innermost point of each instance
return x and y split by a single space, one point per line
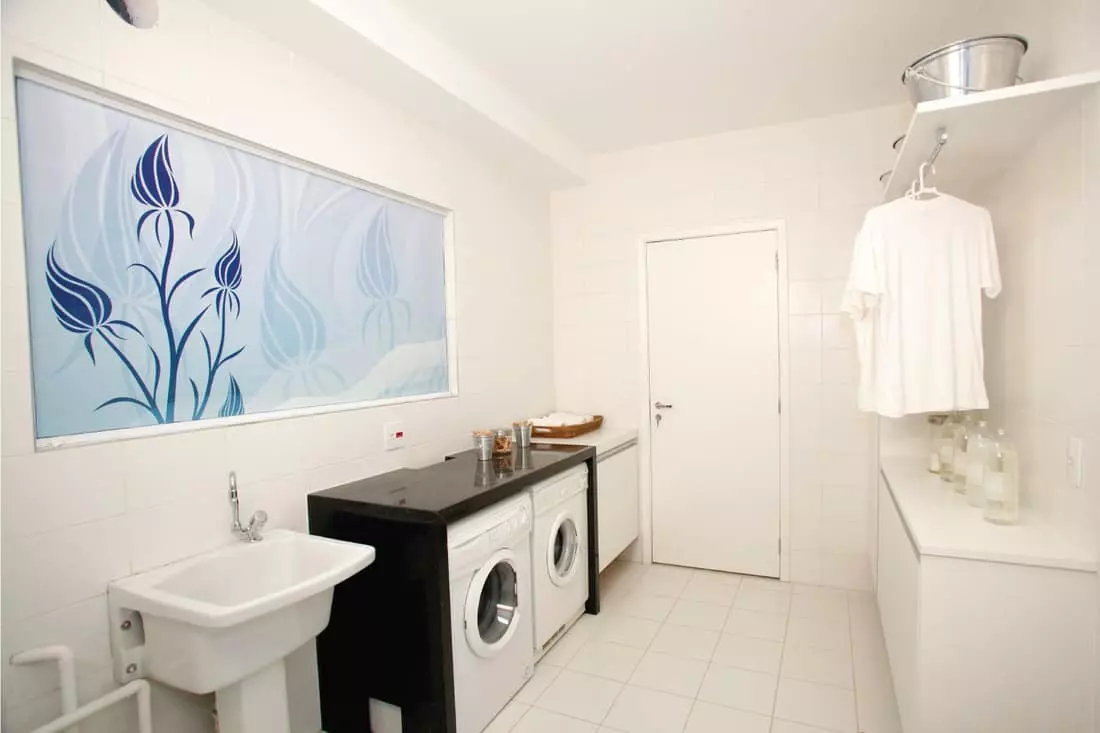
965 67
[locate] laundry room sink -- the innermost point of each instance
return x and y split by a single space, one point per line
225 620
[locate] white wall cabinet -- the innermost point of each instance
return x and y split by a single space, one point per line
617 509
975 643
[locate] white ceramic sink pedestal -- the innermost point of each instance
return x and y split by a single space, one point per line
225 620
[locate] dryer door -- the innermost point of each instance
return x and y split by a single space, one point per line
563 549
492 605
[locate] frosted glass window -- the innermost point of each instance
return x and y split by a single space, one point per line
173 277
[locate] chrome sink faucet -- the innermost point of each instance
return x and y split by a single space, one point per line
251 533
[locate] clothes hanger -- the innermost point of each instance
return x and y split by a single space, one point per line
911 192
921 188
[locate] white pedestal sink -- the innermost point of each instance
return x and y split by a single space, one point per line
224 621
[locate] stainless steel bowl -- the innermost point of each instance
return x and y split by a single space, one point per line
965 67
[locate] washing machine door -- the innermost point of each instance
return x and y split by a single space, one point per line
563 549
492 605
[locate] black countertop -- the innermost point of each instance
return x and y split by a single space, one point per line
455 488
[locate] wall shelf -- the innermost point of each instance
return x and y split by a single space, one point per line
985 131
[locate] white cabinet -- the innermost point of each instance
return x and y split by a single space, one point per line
980 637
898 601
617 509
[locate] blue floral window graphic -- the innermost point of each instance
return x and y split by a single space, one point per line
174 278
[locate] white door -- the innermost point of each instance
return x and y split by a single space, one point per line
714 401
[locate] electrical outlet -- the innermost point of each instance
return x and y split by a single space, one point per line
1075 462
393 435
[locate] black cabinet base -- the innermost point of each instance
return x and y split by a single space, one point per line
389 636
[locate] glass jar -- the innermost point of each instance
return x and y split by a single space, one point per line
936 425
502 443
979 443
1001 483
946 444
960 456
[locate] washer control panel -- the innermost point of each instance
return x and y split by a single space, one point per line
558 489
513 524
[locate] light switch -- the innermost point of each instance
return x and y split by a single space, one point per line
1075 462
393 435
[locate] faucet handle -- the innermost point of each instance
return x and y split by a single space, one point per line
256 525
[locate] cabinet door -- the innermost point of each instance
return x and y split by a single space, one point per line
617 482
898 595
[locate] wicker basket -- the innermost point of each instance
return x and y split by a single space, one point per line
567 431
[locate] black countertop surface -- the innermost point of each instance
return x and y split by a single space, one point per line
455 488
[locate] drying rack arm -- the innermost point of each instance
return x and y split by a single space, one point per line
137 688
71 714
941 140
66 672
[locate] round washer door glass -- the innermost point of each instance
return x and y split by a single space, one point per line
563 550
496 606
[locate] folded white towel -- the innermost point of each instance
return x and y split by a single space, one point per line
560 419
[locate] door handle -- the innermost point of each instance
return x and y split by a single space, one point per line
662 406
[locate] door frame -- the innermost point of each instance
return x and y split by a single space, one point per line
645 421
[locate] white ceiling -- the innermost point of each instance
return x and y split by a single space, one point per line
614 74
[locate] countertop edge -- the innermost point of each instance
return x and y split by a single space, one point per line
374 509
453 513
924 549
1007 559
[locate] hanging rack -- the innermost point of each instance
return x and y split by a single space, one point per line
941 140
919 187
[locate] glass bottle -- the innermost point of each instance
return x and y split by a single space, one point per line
979 443
946 444
963 432
1001 483
936 423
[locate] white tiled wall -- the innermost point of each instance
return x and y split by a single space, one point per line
74 519
1043 340
819 176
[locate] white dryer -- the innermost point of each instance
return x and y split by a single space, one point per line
491 611
559 552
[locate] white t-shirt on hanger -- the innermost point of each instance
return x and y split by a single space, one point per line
915 296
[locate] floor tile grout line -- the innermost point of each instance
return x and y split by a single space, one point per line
852 656
779 673
532 706
706 669
574 717
694 702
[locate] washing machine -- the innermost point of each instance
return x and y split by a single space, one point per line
489 559
559 552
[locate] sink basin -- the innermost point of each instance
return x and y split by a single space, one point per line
214 622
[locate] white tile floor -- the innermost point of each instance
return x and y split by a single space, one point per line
691 651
